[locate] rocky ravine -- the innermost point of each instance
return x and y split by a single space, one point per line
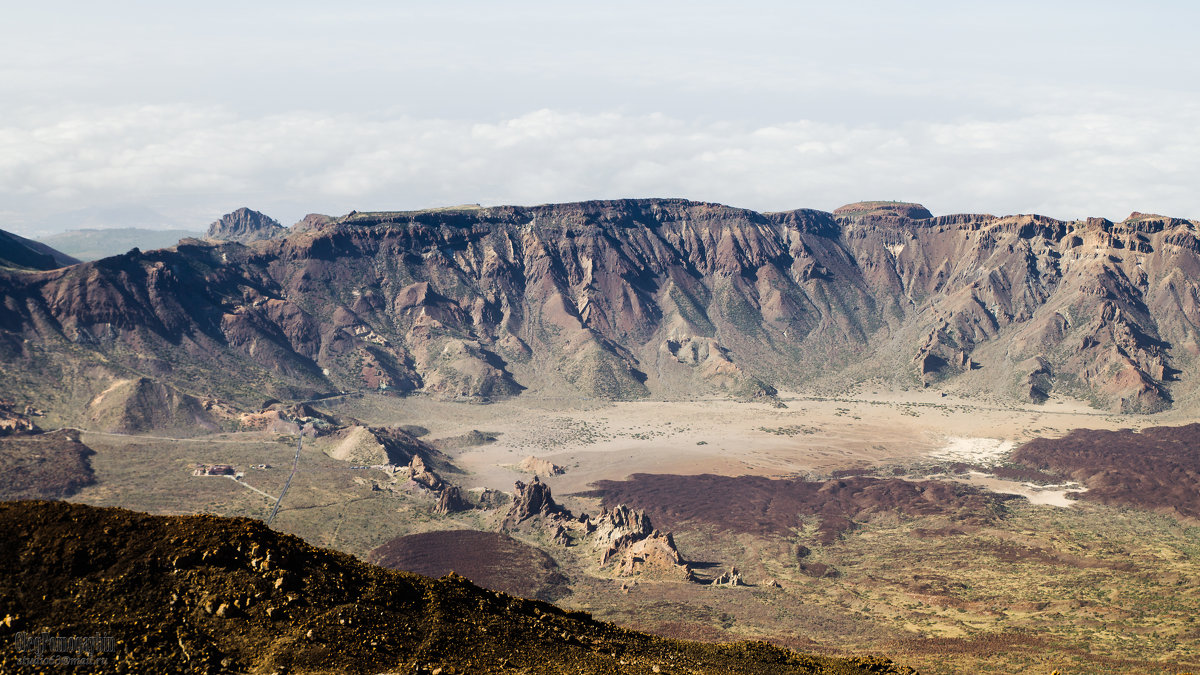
622 299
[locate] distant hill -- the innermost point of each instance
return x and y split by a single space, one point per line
25 254
94 244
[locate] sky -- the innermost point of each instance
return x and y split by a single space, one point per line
160 114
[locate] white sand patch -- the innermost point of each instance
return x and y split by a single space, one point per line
1044 495
973 450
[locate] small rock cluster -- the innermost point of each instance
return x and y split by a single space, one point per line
624 537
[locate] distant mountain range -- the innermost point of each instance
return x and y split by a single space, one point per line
93 244
624 299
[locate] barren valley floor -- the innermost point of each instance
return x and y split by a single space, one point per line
1045 582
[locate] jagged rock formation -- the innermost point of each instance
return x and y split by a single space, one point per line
245 225
201 594
417 472
623 537
731 577
620 299
19 253
451 501
531 500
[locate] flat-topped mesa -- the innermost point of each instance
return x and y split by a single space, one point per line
245 225
885 209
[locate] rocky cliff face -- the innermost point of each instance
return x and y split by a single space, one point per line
622 299
245 225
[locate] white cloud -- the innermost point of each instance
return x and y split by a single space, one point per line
195 163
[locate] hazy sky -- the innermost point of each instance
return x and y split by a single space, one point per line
173 113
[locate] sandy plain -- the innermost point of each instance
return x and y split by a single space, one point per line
811 436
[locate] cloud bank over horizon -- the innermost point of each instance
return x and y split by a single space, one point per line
175 116
193 164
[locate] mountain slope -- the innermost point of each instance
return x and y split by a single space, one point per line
19 253
622 299
201 594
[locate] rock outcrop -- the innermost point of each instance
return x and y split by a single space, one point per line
729 578
540 467
14 422
450 500
245 225
623 537
531 500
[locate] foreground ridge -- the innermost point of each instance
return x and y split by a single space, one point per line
203 594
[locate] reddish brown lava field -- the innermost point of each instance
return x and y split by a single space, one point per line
49 465
488 559
1158 468
774 506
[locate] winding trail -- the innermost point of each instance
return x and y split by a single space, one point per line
250 487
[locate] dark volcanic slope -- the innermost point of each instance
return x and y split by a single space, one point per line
772 506
49 465
21 253
1157 469
489 559
619 299
206 594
